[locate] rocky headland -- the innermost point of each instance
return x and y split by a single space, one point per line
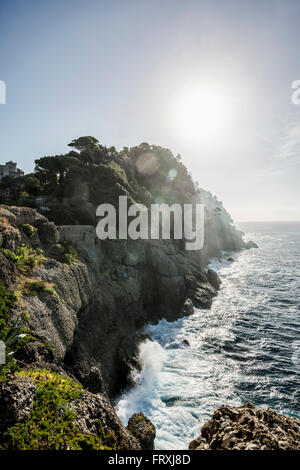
72 307
77 307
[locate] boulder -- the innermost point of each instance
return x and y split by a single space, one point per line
35 352
16 400
8 272
248 428
201 298
6 214
213 278
142 428
188 308
25 215
48 233
95 415
250 245
10 237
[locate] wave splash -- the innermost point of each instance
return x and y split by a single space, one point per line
143 396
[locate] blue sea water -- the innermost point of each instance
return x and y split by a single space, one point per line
245 348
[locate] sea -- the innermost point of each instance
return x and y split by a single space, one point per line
246 348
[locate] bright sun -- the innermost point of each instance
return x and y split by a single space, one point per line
203 115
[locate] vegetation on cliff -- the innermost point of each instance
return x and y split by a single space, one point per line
50 424
93 174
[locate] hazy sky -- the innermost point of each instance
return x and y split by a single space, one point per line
131 71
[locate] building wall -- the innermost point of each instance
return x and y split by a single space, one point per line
10 169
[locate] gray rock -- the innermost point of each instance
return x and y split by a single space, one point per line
16 401
250 245
10 237
8 215
48 233
188 308
201 298
95 415
142 428
248 428
213 278
25 215
8 272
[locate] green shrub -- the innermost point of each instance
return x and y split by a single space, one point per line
135 422
29 230
35 286
70 255
25 258
50 424
7 302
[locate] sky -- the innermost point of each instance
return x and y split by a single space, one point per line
210 80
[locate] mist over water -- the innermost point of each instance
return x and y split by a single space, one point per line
246 348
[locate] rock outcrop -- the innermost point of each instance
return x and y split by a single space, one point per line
142 428
95 415
248 428
16 401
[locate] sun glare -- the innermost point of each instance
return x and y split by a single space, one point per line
203 115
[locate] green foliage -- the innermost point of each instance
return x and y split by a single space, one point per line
25 316
17 337
135 422
7 302
32 185
7 370
35 286
29 230
50 424
84 143
25 258
70 255
61 215
97 174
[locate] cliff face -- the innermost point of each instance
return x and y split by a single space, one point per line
90 309
115 288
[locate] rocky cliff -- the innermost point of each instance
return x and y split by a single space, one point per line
88 299
248 428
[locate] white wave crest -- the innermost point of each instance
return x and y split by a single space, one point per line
143 395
